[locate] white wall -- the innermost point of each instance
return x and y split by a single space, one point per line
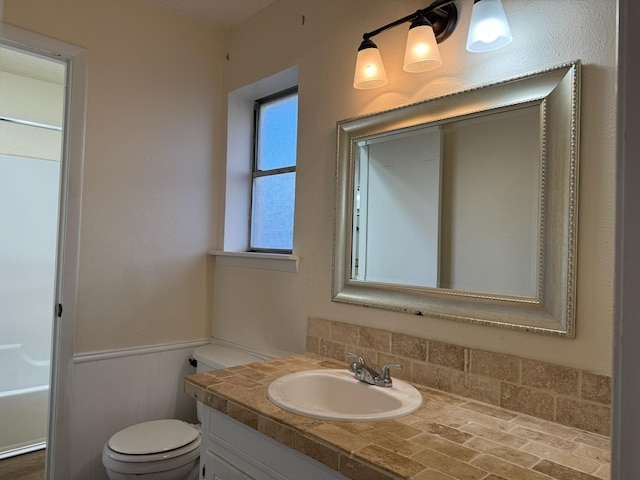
148 203
270 308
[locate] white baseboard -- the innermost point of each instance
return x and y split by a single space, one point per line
131 351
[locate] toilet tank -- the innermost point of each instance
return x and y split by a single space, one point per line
215 356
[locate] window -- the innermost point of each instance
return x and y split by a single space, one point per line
274 172
237 250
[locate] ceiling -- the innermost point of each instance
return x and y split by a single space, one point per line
219 13
29 65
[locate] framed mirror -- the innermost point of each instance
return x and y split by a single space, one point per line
464 207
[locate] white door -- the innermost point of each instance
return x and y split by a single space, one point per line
32 100
52 188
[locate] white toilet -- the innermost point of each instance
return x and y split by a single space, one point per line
167 449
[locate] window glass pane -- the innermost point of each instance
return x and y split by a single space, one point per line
277 133
272 219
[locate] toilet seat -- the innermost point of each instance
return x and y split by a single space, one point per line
175 434
152 457
153 437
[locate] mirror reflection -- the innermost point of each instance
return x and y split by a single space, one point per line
452 206
397 208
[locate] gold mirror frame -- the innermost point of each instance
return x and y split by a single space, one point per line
557 92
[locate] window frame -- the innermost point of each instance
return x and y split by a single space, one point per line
256 173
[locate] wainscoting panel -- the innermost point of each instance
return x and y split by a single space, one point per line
115 389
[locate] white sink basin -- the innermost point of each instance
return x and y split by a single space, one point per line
337 395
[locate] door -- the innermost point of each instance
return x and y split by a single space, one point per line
32 100
62 301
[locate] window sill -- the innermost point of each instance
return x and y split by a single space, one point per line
264 261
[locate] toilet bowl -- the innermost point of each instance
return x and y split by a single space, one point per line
161 449
167 449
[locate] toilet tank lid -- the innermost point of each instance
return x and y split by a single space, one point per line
222 356
153 437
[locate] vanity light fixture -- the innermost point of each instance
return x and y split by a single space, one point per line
488 29
429 26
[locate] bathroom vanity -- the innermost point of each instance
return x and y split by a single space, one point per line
231 450
246 436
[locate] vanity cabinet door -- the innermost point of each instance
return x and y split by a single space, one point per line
217 468
231 450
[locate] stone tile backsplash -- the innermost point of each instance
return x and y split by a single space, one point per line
568 396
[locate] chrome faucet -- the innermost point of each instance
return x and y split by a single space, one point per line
368 374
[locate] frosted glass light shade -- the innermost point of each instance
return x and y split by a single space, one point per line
421 53
489 29
370 71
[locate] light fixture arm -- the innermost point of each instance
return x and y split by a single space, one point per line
442 15
488 30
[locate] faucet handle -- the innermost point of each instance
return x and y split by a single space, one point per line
357 366
360 359
384 376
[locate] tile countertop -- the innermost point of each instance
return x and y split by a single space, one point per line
449 437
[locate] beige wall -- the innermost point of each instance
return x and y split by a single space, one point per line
489 244
153 197
261 308
148 208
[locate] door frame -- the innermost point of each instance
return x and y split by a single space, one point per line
67 256
626 354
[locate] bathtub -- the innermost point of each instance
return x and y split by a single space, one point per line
24 398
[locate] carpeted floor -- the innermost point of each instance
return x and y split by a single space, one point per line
29 466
